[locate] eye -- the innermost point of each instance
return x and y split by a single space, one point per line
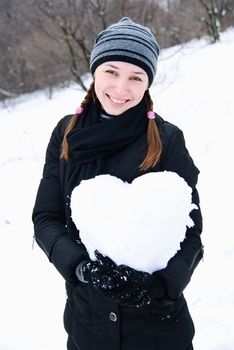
136 78
112 72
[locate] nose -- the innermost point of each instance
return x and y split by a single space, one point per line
121 86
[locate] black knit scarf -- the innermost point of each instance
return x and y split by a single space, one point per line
92 140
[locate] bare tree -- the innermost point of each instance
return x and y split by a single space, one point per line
226 13
48 42
212 19
74 26
28 60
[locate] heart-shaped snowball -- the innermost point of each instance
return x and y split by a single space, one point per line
139 224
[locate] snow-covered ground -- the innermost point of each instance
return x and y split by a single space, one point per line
193 89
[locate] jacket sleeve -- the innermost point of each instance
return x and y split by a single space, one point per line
180 267
49 220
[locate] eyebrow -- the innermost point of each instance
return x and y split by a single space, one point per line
112 66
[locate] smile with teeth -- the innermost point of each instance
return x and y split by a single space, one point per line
117 100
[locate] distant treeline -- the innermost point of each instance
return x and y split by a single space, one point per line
48 42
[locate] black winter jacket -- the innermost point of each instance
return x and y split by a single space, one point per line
57 236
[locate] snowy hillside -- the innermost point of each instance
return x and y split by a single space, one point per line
194 90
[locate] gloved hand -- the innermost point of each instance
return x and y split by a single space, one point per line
127 286
151 283
129 295
102 273
140 288
121 284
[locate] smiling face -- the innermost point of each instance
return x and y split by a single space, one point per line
119 86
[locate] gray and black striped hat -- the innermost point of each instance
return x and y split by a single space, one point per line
128 42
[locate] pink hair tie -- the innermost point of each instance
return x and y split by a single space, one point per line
150 115
79 110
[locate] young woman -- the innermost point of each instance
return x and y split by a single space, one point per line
116 132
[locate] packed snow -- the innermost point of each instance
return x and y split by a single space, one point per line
194 90
139 224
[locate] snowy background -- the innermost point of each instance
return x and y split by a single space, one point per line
193 89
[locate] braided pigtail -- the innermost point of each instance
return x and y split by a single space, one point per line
153 138
65 146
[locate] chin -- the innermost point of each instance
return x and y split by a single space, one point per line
116 111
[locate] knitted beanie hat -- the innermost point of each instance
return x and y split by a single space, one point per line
128 42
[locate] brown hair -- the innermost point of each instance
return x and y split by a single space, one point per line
153 139
154 142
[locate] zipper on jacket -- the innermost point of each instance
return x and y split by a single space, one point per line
40 245
33 242
43 247
201 250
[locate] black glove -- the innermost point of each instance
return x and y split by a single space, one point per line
121 284
102 273
152 283
140 288
126 285
129 295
